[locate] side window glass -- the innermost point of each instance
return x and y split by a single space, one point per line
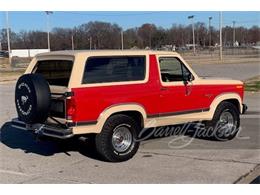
114 69
171 69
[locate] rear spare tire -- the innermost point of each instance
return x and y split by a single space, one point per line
32 98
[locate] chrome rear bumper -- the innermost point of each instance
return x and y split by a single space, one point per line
44 129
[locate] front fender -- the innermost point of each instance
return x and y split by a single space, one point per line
222 97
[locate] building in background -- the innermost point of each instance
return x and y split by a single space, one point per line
25 53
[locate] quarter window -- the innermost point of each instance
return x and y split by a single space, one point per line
56 72
114 69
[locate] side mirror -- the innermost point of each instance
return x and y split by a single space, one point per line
187 77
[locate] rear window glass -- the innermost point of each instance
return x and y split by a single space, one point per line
56 72
114 69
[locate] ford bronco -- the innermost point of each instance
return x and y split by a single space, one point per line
115 94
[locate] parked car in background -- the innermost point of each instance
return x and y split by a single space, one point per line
4 54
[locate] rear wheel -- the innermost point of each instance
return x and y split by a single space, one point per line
116 142
225 123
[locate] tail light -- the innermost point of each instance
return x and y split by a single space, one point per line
70 108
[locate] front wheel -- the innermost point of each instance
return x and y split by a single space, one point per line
225 123
117 142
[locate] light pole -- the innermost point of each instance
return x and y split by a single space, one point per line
220 36
234 33
72 42
210 18
90 43
8 37
122 40
193 34
48 28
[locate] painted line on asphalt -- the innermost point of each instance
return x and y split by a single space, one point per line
250 116
3 82
13 172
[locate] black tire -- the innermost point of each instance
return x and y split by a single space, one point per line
32 98
214 126
104 144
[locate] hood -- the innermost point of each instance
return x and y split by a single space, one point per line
217 80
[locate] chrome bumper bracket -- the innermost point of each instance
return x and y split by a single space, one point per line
43 129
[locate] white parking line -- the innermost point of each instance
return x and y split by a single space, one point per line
13 172
250 116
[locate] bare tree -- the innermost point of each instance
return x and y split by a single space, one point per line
107 36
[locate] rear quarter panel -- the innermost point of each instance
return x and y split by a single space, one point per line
92 100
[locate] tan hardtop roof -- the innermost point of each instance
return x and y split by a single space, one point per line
105 52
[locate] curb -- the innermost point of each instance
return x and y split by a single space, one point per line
251 177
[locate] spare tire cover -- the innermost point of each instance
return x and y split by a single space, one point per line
32 98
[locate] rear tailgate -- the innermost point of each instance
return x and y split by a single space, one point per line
58 101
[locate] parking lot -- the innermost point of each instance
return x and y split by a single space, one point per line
183 159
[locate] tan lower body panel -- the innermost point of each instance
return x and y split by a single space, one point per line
158 121
151 122
177 119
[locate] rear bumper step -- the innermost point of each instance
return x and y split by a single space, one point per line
43 129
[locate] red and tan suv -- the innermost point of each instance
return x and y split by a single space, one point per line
116 94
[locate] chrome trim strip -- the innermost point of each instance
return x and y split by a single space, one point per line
19 127
177 113
73 124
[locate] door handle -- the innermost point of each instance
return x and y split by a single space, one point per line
164 88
